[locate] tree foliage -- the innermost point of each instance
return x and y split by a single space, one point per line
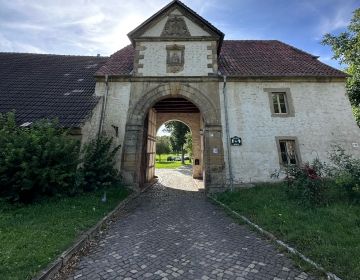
162 145
178 132
188 143
346 48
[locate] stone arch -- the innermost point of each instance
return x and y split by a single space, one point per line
141 102
137 114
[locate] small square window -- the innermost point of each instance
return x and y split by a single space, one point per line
288 151
280 102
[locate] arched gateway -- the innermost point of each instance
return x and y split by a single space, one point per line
263 104
141 126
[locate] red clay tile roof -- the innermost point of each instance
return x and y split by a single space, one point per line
120 63
244 58
48 86
270 59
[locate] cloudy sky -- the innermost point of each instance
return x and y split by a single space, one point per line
87 27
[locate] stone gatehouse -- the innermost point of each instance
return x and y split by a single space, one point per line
252 105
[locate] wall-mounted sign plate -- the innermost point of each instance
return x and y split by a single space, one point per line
236 141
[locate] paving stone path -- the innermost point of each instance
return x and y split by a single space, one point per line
173 231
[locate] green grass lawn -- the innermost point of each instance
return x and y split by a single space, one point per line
329 235
161 162
32 236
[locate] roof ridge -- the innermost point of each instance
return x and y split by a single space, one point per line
297 49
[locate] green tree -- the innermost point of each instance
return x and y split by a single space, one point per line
162 145
188 143
178 132
346 48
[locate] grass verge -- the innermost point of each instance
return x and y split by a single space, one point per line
32 236
162 163
329 235
170 164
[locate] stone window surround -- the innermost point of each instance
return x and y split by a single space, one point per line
175 67
297 149
288 101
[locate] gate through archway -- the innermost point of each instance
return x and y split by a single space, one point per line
173 109
173 101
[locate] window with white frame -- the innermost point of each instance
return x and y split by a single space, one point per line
279 102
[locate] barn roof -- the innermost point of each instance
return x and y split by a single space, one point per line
48 86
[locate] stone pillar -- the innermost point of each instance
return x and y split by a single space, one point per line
214 158
131 156
196 149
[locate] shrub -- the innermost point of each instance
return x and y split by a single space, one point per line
346 172
40 160
307 183
98 163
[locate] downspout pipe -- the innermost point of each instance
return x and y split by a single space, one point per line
103 107
224 91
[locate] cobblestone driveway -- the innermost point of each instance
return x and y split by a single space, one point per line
176 232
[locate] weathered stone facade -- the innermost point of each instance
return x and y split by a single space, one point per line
176 61
322 118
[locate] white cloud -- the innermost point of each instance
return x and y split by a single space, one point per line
16 46
80 27
338 20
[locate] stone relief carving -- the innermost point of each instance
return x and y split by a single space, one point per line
175 27
175 58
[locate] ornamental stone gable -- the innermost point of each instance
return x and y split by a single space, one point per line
175 42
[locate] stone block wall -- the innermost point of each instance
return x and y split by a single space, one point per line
200 58
322 118
115 117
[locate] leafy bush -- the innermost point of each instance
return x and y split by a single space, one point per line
307 183
356 113
36 161
319 183
42 160
346 172
98 163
